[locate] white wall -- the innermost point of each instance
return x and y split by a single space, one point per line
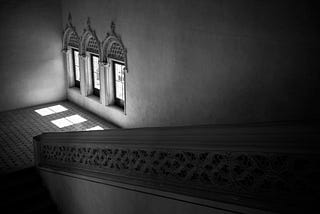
210 62
31 65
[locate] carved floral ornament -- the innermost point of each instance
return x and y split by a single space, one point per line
256 175
111 47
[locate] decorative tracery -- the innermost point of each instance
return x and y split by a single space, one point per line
91 53
112 47
73 40
93 46
89 41
70 36
116 52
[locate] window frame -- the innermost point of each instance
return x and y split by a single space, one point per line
95 91
118 102
76 82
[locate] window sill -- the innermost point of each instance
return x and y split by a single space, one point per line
94 98
116 108
75 90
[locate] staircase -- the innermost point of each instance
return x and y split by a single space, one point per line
22 192
259 168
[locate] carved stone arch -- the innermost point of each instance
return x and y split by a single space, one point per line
89 41
113 47
70 36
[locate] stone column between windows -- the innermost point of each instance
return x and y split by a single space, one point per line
109 83
102 84
82 66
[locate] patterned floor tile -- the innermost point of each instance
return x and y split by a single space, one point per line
18 127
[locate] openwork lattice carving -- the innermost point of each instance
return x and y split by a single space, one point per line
116 52
93 46
70 36
73 40
256 174
89 40
264 168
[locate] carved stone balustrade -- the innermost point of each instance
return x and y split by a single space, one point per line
266 166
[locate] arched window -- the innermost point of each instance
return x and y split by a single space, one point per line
93 50
90 49
115 56
71 42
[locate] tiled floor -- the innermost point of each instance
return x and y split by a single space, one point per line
18 127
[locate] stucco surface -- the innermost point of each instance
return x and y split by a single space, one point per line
31 65
200 62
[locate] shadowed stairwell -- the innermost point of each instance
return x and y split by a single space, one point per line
21 186
218 103
22 192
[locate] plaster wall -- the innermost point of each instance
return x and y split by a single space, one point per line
77 195
31 65
209 61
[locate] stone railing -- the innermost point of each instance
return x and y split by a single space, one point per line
271 167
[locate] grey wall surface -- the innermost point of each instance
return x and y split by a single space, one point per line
80 196
211 61
31 66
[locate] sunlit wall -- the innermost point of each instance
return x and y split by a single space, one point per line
210 61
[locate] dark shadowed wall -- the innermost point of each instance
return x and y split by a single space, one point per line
31 68
210 61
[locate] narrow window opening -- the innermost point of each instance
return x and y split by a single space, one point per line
76 69
119 84
95 74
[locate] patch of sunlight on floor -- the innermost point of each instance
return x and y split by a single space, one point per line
68 121
51 110
63 122
58 108
95 128
44 111
76 119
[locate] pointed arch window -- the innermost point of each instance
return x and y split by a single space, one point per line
93 50
71 44
115 56
90 49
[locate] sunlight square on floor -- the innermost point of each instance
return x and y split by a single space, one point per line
44 111
76 119
95 128
51 110
58 108
68 121
63 122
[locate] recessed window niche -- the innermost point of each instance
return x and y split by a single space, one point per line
114 56
71 44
